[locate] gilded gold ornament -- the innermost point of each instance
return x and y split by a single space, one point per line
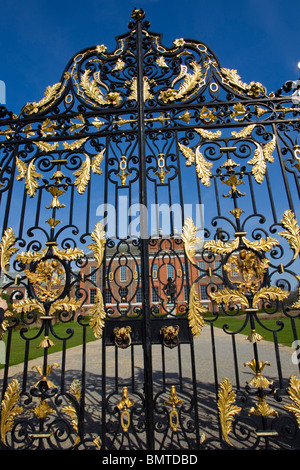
196 311
227 408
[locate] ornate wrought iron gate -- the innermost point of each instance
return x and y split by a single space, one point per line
149 199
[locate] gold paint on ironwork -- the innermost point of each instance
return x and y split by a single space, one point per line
260 111
124 404
78 127
161 165
233 181
46 147
46 343
83 175
208 115
97 314
296 304
146 89
258 381
52 93
208 134
120 64
261 156
29 174
7 248
7 133
98 236
191 84
123 167
10 408
92 90
237 212
195 313
53 222
245 132
227 408
42 410
48 127
70 410
173 400
296 150
185 117
55 192
190 238
96 162
254 337
292 232
249 267
294 394
231 78
170 336
201 164
74 145
47 279
98 124
262 408
239 112
138 14
122 337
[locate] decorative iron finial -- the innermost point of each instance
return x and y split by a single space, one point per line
138 14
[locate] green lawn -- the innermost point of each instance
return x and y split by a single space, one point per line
73 331
64 330
285 335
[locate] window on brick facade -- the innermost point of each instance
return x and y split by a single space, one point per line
123 273
155 297
94 275
203 292
107 296
139 295
170 271
92 296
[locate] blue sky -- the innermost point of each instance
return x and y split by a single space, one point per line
259 38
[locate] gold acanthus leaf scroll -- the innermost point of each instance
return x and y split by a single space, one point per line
29 174
227 408
228 296
195 317
10 408
92 90
97 313
83 175
98 236
261 156
292 232
7 248
294 394
190 238
231 78
51 93
192 82
202 165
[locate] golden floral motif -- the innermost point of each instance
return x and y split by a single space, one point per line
173 400
191 83
227 408
189 237
292 232
10 408
294 394
97 314
196 311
